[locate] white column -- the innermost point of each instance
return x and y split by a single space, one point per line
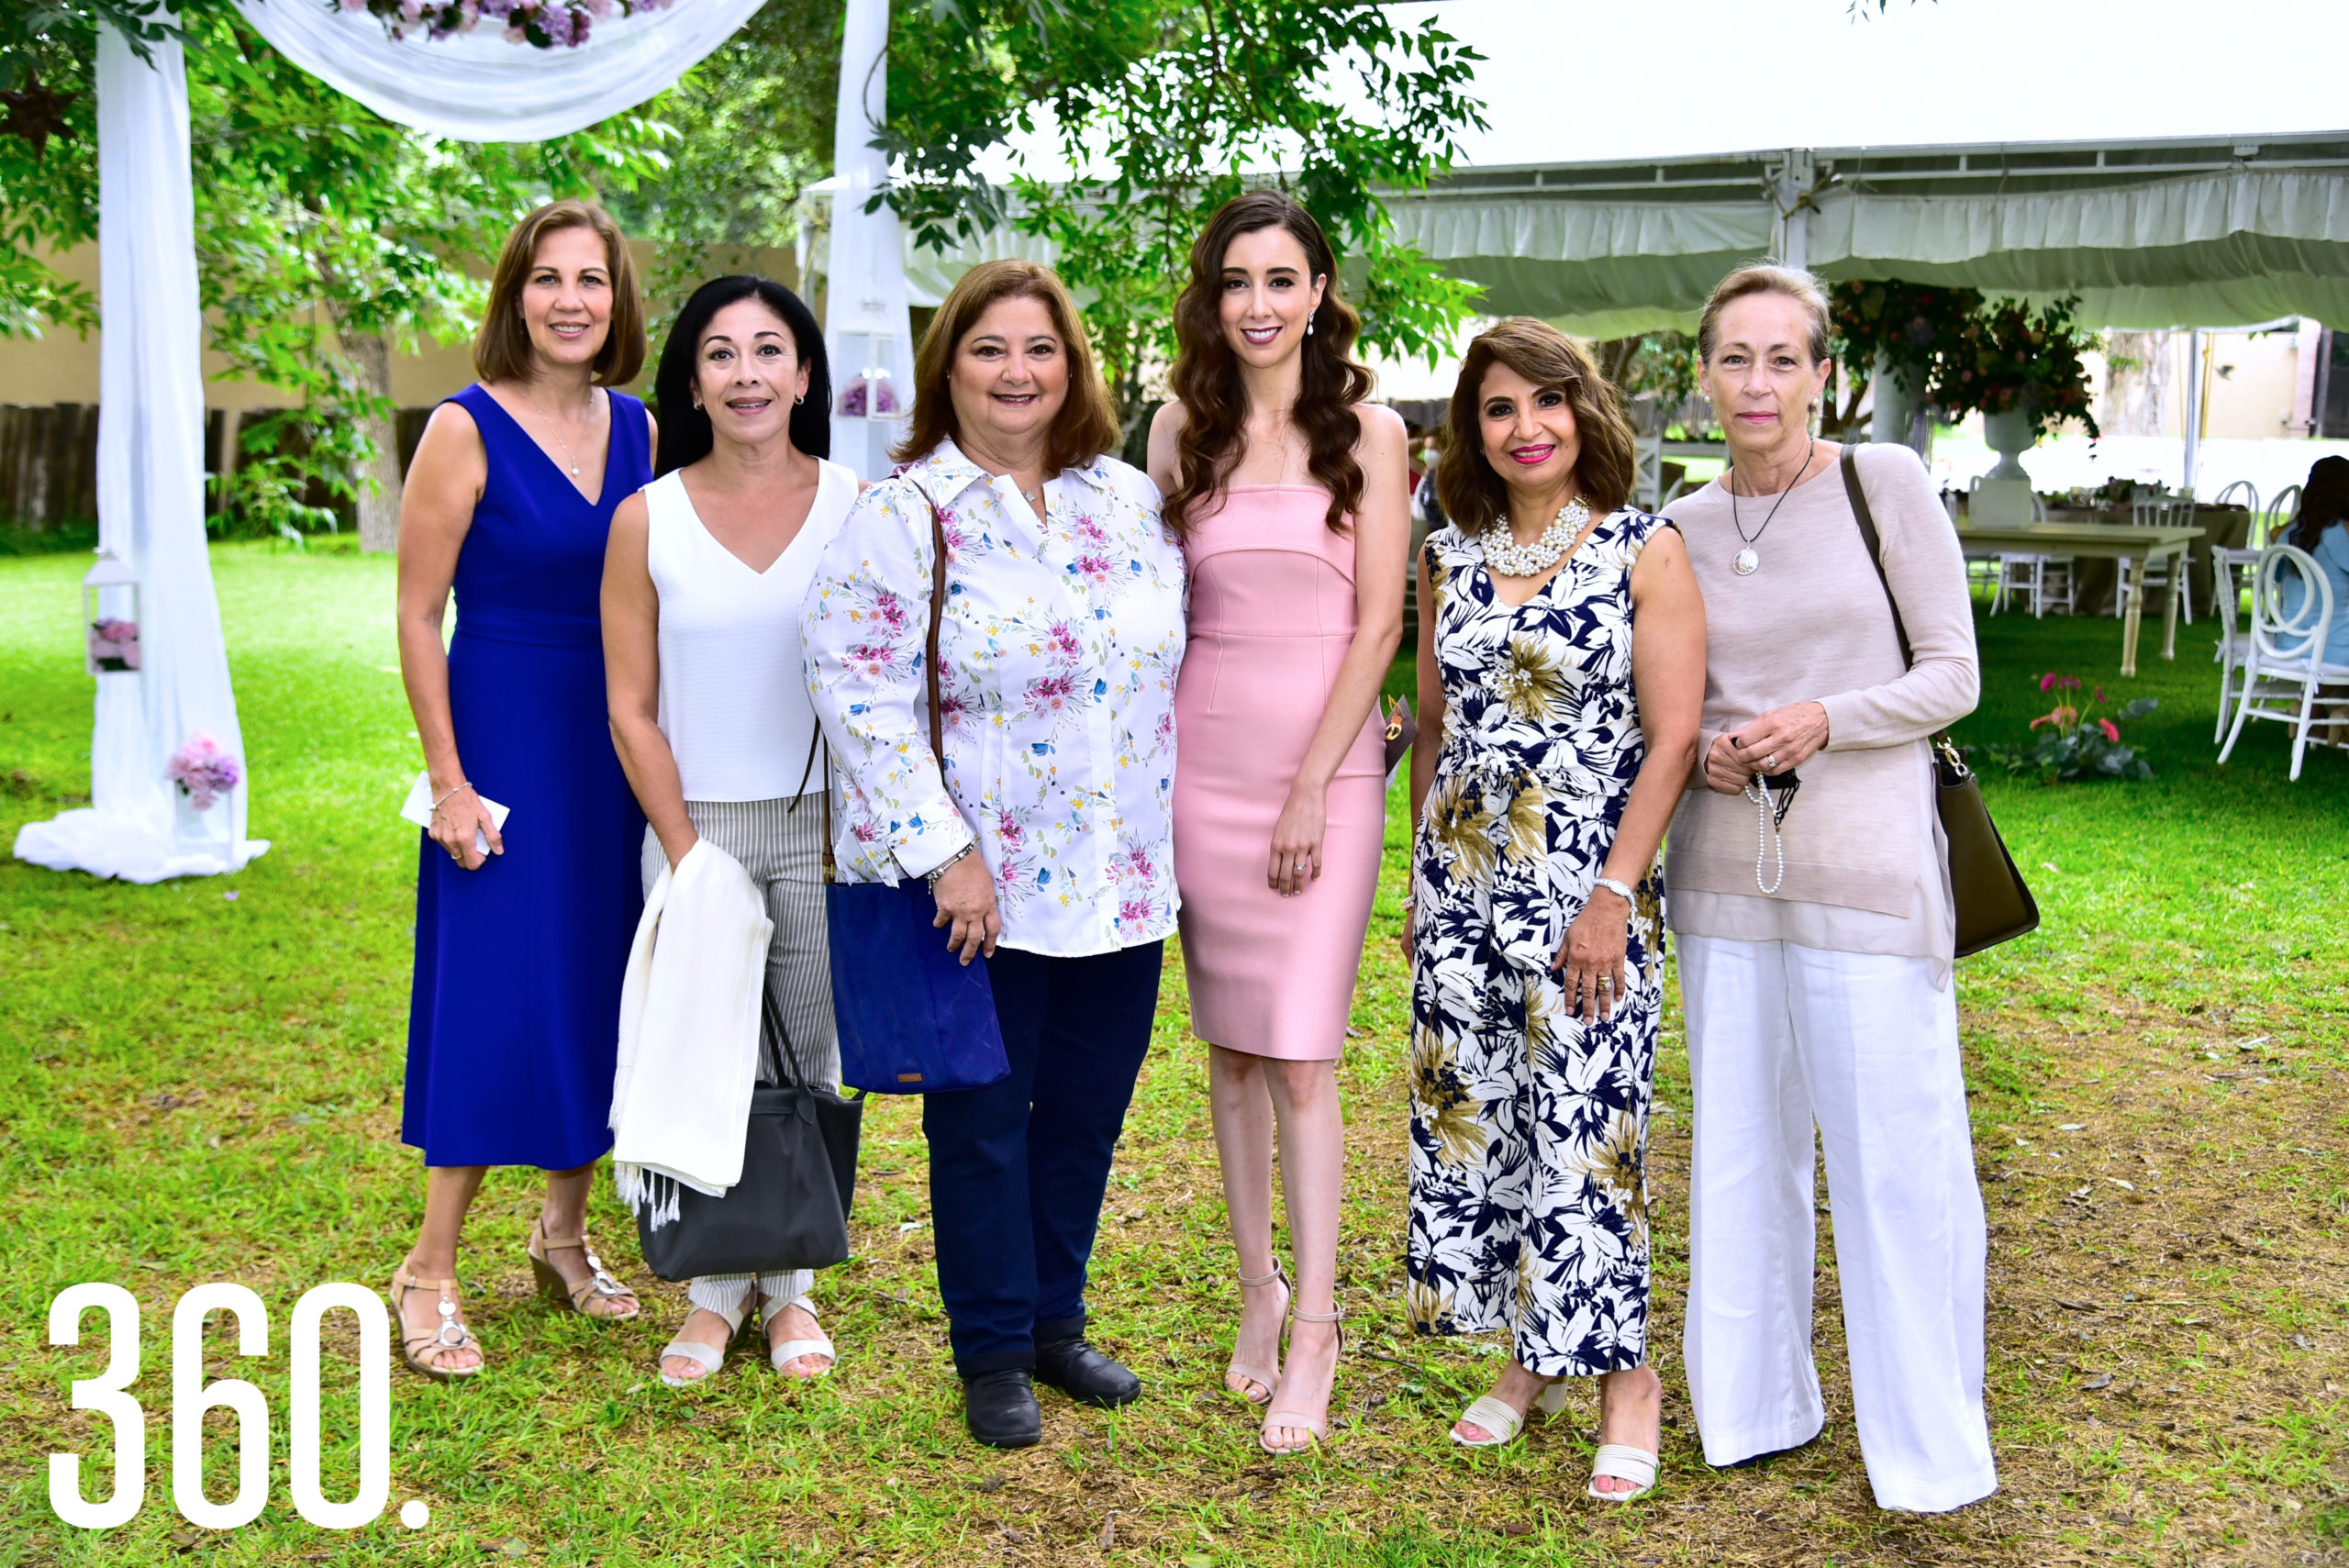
151 490
866 323
2193 406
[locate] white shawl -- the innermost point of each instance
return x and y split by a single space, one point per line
689 1034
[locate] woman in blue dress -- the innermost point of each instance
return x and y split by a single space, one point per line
520 939
2321 530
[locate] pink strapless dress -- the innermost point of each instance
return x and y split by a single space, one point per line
1273 614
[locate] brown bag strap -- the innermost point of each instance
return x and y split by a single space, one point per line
1859 495
930 664
936 614
1945 753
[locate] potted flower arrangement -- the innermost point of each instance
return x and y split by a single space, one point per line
1894 335
2021 371
205 774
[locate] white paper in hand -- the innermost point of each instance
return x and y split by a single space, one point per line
417 809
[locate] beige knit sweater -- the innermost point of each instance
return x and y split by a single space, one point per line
1811 624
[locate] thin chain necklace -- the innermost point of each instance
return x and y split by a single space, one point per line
1506 557
556 431
1747 563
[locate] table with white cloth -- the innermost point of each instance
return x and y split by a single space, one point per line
2101 541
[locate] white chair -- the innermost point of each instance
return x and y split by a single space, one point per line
2154 509
2041 582
2290 686
2234 642
2283 511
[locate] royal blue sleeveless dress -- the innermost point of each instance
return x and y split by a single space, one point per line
514 1022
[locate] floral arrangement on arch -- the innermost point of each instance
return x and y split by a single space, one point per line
2009 359
544 24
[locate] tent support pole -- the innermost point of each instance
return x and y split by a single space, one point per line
2193 404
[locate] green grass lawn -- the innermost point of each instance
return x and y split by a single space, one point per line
200 1080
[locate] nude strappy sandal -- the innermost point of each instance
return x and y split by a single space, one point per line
452 1335
1269 1380
784 1354
599 1286
1620 1461
701 1353
1317 1426
1502 1420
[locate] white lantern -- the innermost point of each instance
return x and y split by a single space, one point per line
110 617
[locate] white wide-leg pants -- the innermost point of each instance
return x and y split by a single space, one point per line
1782 1037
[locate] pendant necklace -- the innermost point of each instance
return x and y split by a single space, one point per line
1747 563
556 431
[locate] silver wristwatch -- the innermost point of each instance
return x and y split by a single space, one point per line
1620 889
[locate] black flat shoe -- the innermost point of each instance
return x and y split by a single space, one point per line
1083 1374
1000 1409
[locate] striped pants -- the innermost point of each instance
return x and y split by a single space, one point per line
781 843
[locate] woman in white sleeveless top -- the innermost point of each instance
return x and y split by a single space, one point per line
703 590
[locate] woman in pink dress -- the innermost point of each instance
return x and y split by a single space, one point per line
1291 497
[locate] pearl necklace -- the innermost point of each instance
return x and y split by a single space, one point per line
1506 558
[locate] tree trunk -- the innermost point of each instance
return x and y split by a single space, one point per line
2136 383
379 477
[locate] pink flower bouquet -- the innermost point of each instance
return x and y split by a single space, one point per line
114 645
203 770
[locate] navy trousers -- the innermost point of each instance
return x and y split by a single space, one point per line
1018 1169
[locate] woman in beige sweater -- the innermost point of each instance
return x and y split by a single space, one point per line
1815 955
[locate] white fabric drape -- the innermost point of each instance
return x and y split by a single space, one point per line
478 87
150 491
867 326
2247 245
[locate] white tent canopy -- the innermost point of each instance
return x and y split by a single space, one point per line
2149 234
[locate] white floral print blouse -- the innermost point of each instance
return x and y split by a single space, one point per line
1057 654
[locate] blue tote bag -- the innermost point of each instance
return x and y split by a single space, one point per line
912 1018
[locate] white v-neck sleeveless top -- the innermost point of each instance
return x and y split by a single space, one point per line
734 698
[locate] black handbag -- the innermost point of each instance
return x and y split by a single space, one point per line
790 1209
1994 903
911 1016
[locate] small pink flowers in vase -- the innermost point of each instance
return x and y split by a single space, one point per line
868 395
203 770
114 645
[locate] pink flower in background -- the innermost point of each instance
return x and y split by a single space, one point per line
203 770
2111 730
2047 681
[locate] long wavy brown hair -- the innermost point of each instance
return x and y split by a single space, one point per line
1206 372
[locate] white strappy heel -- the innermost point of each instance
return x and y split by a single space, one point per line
1620 1461
1502 1420
707 1356
790 1351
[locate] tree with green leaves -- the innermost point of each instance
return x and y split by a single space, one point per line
1164 110
325 234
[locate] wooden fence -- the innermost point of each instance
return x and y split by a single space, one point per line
48 460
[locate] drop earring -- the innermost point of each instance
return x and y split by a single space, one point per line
1308 327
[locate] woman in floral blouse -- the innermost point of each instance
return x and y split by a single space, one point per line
1043 830
1536 932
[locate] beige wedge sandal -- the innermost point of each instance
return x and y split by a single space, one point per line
599 1290
452 1335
